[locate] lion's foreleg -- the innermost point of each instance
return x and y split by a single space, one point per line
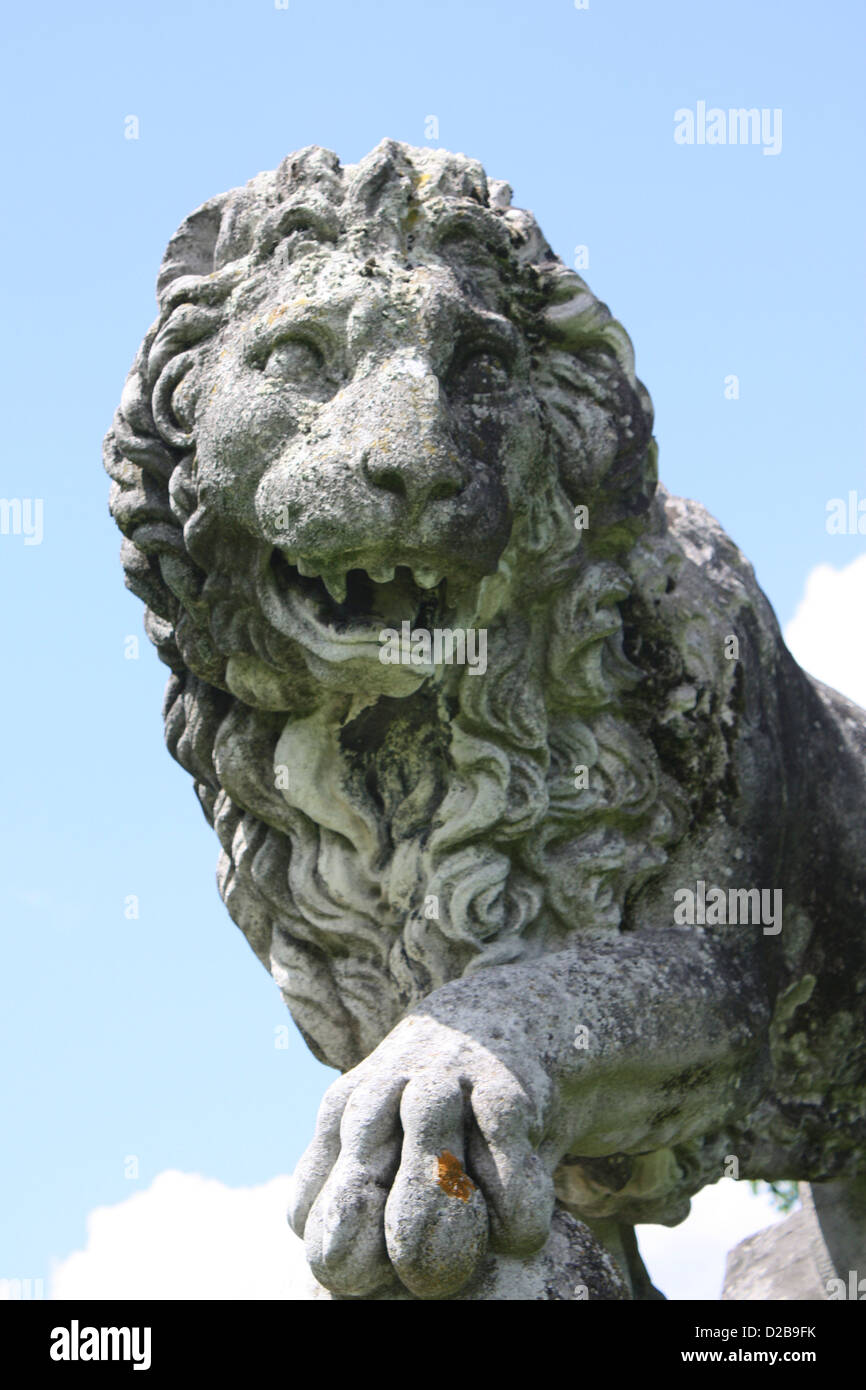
443 1143
646 1039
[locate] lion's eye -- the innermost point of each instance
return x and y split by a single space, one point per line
295 360
480 374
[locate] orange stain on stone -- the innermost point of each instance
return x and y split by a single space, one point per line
451 1177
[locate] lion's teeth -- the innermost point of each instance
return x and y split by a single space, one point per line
335 583
306 569
383 575
428 579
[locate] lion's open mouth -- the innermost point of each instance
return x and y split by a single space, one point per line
341 612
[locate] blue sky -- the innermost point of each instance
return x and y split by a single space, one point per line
155 1037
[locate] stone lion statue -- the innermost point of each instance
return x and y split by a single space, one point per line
552 849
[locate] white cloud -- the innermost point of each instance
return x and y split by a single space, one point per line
823 634
688 1261
187 1236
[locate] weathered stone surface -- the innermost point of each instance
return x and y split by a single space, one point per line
374 397
788 1262
571 1268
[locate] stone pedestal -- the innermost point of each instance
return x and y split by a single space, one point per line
788 1262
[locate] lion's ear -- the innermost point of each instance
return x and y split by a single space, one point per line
191 249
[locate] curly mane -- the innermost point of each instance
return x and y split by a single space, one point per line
447 830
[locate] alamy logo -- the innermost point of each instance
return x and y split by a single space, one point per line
714 907
846 519
737 126
443 646
22 516
855 1290
75 1343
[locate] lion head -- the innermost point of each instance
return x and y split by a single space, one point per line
374 397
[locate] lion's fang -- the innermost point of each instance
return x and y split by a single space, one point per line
428 579
335 583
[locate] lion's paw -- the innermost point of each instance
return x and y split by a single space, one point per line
423 1156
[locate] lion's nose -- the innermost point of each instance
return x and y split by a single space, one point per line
417 476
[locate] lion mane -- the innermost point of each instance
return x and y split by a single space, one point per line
459 831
